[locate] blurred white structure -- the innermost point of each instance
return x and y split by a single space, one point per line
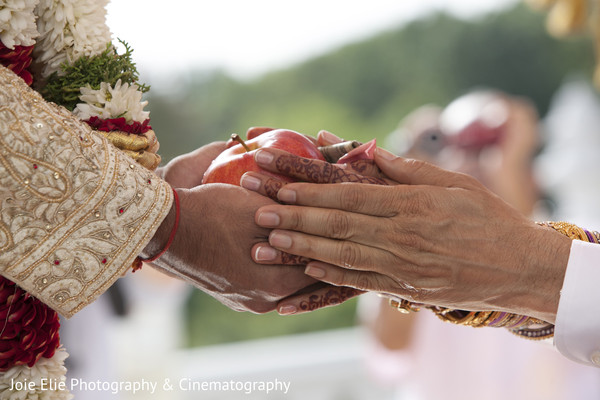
568 169
325 365
146 346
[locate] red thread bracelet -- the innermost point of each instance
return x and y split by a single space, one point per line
137 264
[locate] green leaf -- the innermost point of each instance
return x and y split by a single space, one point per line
109 66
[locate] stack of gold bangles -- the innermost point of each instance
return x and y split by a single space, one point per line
520 325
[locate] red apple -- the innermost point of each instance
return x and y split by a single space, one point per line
238 159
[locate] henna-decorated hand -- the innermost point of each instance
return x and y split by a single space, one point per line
303 169
307 170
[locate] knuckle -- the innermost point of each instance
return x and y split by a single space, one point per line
412 240
387 203
417 242
353 197
415 166
349 255
362 282
338 225
295 221
419 204
465 181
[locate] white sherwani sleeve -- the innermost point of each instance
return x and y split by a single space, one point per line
74 210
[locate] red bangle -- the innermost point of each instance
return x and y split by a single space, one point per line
137 264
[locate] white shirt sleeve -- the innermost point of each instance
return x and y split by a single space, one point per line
577 328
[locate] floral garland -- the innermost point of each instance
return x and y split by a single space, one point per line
68 42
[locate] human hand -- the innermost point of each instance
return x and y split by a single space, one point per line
307 170
212 246
439 238
187 170
312 171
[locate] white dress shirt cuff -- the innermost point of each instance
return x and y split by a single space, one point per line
577 329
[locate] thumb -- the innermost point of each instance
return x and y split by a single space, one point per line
326 138
187 170
416 172
255 131
200 159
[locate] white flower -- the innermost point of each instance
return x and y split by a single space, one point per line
121 101
51 370
17 23
68 30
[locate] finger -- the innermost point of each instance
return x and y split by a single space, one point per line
145 158
364 281
309 170
262 184
153 144
374 200
324 297
366 168
262 253
326 138
417 172
338 276
331 223
347 254
200 159
255 131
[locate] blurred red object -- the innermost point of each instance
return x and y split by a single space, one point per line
475 120
17 60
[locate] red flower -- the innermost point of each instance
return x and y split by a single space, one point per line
119 124
28 328
17 60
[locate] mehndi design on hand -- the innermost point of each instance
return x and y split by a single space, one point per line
316 171
320 298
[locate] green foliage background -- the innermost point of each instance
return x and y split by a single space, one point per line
359 92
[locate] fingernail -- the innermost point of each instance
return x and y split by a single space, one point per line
386 155
281 240
286 310
268 219
287 195
330 137
263 157
250 182
265 253
315 272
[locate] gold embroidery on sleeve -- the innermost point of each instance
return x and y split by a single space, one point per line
74 211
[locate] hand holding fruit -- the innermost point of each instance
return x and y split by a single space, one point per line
238 158
215 236
438 238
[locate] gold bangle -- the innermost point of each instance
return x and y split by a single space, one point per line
404 306
570 230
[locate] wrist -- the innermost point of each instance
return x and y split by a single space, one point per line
185 249
545 273
164 234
